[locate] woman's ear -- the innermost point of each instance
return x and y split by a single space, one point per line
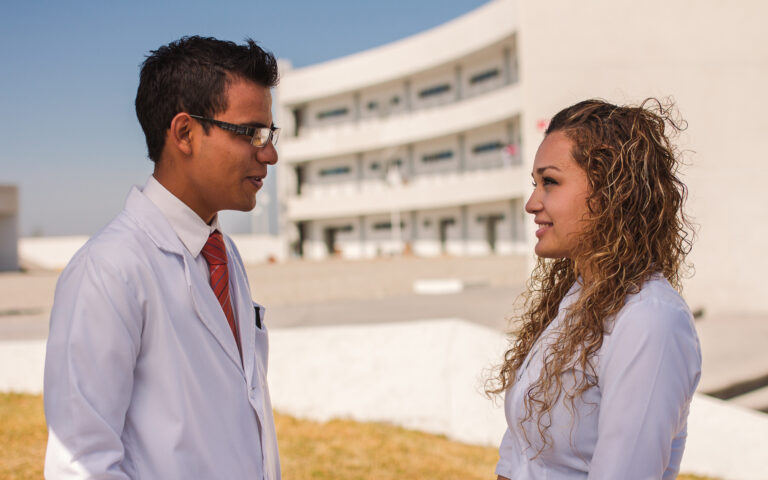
180 133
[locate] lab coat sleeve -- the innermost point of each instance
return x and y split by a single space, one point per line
647 377
93 344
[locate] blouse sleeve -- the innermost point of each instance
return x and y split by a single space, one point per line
648 372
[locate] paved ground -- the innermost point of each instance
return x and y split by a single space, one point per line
381 291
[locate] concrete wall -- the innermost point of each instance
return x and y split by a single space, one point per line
712 57
53 253
9 227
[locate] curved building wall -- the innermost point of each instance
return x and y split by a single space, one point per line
410 147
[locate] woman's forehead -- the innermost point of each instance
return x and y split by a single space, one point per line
554 153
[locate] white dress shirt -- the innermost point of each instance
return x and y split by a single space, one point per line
632 424
191 229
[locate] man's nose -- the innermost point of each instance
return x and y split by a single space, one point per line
267 154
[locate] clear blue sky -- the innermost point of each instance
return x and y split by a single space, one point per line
69 72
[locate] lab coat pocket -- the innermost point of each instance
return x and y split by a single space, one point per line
261 341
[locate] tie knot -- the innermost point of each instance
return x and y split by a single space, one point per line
214 251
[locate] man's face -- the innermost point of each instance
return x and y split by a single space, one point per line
227 171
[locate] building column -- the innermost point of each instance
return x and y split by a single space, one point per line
357 112
513 138
465 228
507 63
459 93
410 161
360 170
407 98
363 239
516 220
462 154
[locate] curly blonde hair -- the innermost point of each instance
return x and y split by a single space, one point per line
635 228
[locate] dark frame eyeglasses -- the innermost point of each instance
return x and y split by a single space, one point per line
260 136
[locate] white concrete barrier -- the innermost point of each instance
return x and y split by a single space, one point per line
427 375
22 364
438 287
423 375
53 253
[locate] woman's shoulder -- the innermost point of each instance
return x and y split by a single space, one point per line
656 310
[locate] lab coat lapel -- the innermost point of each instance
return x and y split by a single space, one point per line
209 312
244 309
151 220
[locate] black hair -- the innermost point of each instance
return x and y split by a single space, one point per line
192 75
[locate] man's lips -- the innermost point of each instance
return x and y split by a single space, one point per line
257 181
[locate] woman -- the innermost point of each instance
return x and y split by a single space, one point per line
606 359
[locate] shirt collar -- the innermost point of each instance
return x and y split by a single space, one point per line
189 227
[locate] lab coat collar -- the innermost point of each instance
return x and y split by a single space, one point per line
151 220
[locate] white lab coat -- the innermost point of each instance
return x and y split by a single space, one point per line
143 379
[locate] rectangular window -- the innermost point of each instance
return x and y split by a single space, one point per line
336 112
437 157
334 171
496 217
483 76
487 147
373 105
436 90
386 225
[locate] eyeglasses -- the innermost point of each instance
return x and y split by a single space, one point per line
260 136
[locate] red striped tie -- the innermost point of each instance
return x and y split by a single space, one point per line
215 254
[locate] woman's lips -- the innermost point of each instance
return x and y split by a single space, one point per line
543 227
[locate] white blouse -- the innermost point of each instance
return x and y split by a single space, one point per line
632 424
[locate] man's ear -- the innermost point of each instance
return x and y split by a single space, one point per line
179 133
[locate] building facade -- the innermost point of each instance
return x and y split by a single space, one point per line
426 144
411 147
9 227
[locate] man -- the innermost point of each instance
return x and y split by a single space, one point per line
157 357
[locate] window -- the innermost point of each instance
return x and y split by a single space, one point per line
483 76
395 100
437 157
495 217
386 225
336 112
375 166
343 170
436 90
373 105
487 147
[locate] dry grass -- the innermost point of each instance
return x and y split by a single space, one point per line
336 450
22 437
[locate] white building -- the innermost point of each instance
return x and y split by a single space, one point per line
413 146
9 227
426 144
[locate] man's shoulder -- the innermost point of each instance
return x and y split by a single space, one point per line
120 242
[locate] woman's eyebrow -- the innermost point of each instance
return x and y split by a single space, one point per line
540 170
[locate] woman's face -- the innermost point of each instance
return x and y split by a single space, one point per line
559 199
